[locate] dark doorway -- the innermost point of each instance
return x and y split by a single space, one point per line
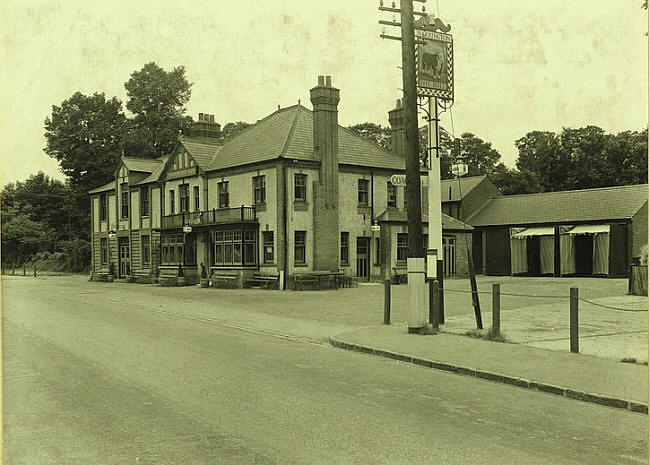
532 254
363 258
584 247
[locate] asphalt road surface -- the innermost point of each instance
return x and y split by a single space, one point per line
88 380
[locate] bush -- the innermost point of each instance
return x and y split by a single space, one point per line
644 255
75 255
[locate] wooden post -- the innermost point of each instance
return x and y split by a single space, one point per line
475 300
573 320
386 301
496 307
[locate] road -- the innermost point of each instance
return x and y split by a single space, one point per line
90 378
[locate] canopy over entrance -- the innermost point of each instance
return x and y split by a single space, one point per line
590 229
535 231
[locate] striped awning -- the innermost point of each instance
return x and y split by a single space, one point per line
590 229
534 231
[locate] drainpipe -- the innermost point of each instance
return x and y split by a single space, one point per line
372 197
284 223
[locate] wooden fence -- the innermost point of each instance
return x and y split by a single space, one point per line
638 284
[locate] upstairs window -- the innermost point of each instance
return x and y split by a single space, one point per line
144 202
172 202
197 200
363 192
224 197
259 190
125 203
103 207
300 187
184 195
391 194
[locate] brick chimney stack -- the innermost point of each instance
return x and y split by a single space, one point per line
324 99
205 128
397 130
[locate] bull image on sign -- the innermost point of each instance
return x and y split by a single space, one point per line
434 64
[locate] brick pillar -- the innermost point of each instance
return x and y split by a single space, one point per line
325 99
397 131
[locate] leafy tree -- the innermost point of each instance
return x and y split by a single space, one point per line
157 101
373 132
84 134
540 153
511 181
479 155
22 237
230 130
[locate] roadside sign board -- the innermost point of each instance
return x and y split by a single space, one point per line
459 169
187 229
434 64
400 180
432 263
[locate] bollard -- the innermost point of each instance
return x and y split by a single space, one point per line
573 317
496 307
386 301
434 300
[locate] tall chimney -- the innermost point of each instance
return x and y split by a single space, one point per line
397 130
205 129
324 99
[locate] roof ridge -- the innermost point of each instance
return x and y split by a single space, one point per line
354 134
591 189
294 123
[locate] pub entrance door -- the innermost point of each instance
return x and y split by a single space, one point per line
363 258
124 257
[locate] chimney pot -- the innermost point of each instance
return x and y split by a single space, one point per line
212 118
328 81
200 116
321 80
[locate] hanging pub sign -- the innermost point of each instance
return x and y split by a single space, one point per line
434 59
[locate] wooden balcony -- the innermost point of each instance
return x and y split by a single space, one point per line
241 214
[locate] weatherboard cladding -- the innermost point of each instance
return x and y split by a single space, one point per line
602 204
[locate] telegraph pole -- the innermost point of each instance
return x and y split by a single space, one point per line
415 260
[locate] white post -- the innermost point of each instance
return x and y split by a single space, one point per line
435 200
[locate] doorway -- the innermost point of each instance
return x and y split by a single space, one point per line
124 257
363 258
584 249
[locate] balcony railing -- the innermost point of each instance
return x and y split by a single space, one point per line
215 216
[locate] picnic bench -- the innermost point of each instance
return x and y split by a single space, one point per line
320 279
265 280
223 280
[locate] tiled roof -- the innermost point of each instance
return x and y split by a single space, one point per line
451 191
143 165
155 175
202 152
288 133
606 203
399 216
109 186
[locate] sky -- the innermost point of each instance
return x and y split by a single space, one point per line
519 65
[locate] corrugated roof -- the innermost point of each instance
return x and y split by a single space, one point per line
288 133
143 165
202 152
451 191
606 203
399 216
109 186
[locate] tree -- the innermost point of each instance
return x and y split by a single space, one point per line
230 130
84 134
540 153
373 132
22 237
157 100
511 181
479 155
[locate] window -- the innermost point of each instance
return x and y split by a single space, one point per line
178 249
405 199
234 247
144 201
103 207
392 194
267 241
197 200
259 189
377 252
363 192
402 246
146 250
184 194
172 202
345 247
300 187
224 199
103 251
125 202
299 254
